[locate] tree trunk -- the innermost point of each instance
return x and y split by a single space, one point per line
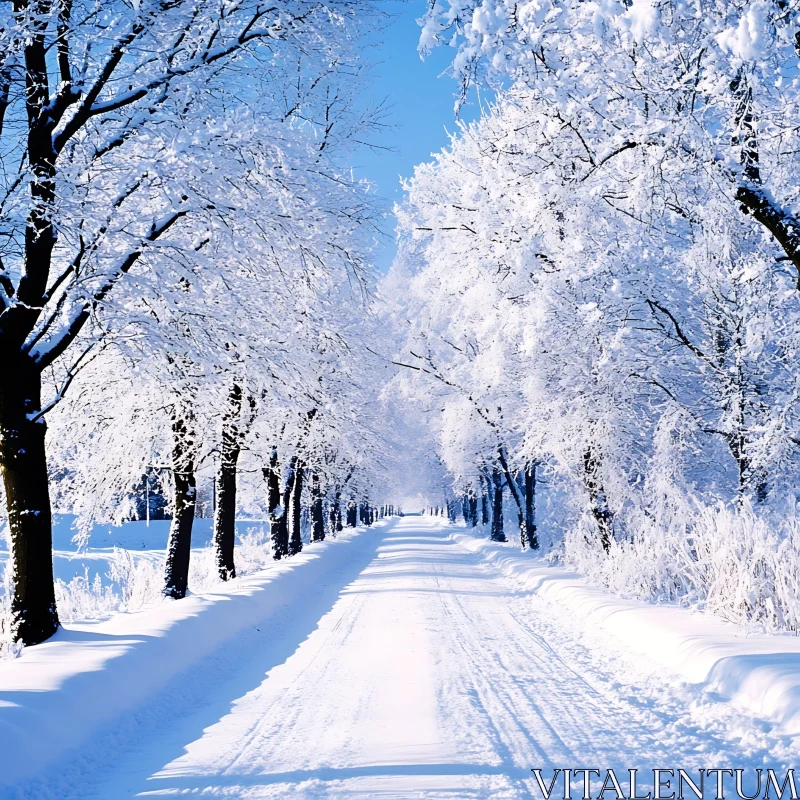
225 510
24 465
317 516
225 515
335 514
352 514
276 513
180 531
515 491
754 200
473 510
486 500
296 540
597 496
530 505
497 507
286 508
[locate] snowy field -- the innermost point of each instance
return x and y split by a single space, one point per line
144 542
120 568
402 661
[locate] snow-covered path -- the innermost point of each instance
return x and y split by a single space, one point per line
430 676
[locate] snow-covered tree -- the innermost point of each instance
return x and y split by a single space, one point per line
574 309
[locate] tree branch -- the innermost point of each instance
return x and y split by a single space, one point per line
46 357
682 337
782 224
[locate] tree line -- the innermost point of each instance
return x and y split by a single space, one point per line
184 271
597 289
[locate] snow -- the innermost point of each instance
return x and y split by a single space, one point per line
90 673
759 672
749 40
643 17
146 542
409 660
120 568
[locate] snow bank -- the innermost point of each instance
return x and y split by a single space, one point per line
760 672
59 694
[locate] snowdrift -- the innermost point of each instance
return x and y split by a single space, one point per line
759 672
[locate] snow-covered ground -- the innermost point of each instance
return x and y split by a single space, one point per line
759 672
142 540
401 662
120 568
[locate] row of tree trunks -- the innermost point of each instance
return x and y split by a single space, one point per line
524 494
25 479
284 508
491 485
367 514
470 509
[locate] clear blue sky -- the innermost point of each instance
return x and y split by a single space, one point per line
420 100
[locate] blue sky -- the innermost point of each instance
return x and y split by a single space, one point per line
421 111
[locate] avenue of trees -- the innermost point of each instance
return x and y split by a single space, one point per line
588 342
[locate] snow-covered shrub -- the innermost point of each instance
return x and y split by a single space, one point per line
253 552
137 581
83 598
130 584
748 565
732 557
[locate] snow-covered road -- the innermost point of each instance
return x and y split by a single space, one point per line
430 676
